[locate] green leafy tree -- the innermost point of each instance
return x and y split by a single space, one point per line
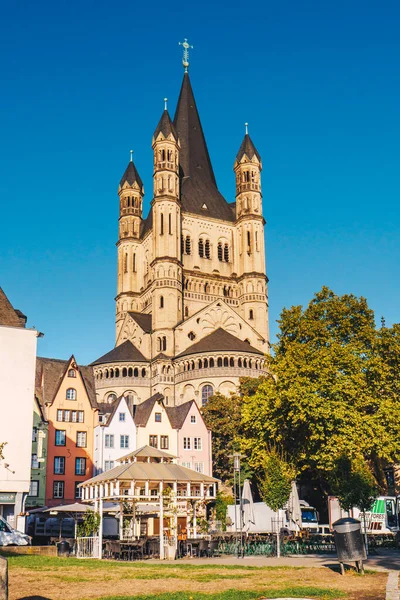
274 476
222 502
354 485
90 524
334 392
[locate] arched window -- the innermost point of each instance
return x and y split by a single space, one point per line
134 263
211 363
125 262
170 223
111 397
124 372
220 251
219 362
136 372
111 372
161 301
71 394
248 242
188 245
251 314
240 363
206 392
161 224
226 361
245 363
106 374
231 362
226 253
186 311
71 373
143 372
128 202
201 248
163 343
207 249
205 363
130 372
250 363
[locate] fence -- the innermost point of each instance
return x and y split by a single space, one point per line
266 546
88 547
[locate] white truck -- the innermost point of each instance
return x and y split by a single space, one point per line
383 518
265 519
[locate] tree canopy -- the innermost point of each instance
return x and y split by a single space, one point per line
334 391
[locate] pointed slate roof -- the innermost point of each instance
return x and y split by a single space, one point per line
49 374
219 341
9 316
143 410
165 126
177 414
131 175
247 148
124 352
142 319
198 184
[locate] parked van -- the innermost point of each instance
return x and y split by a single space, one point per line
12 537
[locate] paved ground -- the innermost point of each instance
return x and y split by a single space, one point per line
382 560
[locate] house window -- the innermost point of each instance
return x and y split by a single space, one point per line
164 442
109 441
78 490
122 417
193 419
124 441
58 489
34 462
197 445
59 465
157 417
81 439
206 392
153 441
108 464
199 467
71 373
187 465
80 466
34 489
71 394
66 416
34 434
187 443
60 437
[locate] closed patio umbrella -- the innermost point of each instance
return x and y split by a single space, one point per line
294 510
247 506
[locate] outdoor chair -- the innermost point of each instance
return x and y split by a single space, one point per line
203 548
213 548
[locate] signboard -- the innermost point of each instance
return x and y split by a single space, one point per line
7 497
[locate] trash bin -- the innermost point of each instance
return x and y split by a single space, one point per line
63 548
349 542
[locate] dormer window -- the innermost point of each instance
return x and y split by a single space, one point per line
157 417
71 394
71 373
122 417
193 419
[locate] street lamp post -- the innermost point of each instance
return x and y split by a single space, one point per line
238 496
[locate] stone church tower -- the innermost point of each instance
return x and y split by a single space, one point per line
192 302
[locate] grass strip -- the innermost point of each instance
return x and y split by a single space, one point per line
293 592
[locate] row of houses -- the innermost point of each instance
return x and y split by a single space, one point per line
58 434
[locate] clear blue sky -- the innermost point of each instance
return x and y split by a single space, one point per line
82 82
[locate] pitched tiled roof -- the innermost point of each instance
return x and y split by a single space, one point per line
165 126
143 410
247 148
144 471
198 184
218 341
49 374
147 452
177 414
10 316
123 353
131 175
142 319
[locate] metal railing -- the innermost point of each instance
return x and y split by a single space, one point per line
88 547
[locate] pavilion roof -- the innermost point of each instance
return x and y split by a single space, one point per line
147 452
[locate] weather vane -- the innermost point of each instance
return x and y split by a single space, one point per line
185 59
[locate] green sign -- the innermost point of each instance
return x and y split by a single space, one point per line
7 497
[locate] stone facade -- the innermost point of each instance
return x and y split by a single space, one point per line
192 300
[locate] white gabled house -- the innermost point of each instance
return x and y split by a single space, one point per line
115 436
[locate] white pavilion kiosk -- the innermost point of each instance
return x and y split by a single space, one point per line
149 483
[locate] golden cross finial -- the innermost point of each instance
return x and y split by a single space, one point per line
185 59
131 151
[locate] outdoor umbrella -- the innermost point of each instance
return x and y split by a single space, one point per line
294 510
247 506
